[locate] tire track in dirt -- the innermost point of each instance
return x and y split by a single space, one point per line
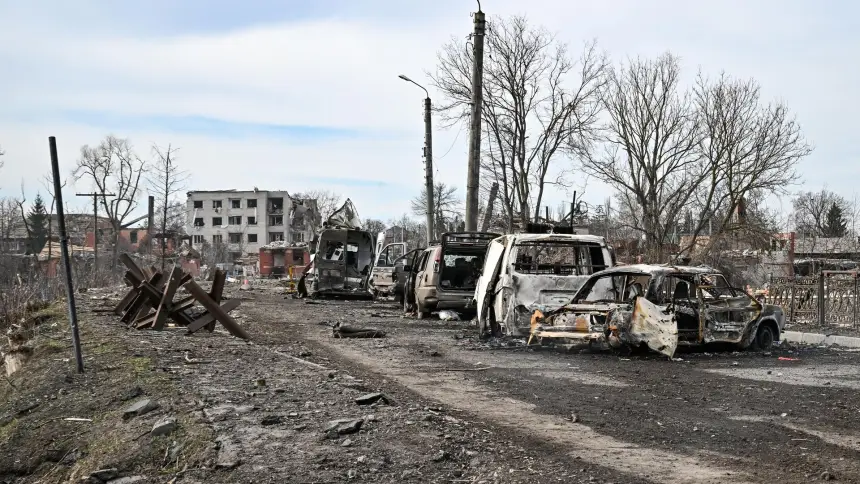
466 394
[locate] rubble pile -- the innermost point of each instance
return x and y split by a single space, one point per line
152 301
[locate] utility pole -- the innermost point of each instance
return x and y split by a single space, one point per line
491 202
428 160
150 220
95 197
473 176
428 171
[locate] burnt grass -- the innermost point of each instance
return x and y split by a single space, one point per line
258 411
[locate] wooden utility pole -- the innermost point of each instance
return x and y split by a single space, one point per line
150 220
428 170
491 202
95 197
428 160
473 176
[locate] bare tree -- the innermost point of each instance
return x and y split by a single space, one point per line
374 226
447 205
327 202
532 118
651 142
672 152
48 184
811 208
113 166
750 150
166 181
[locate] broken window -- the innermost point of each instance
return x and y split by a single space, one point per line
252 238
299 220
198 222
298 256
298 237
216 221
461 267
251 203
197 239
276 205
614 288
235 237
217 239
234 220
276 236
714 286
132 236
235 203
252 220
559 258
276 220
216 204
198 203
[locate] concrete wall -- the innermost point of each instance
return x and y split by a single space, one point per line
265 217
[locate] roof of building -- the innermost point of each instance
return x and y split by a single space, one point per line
826 245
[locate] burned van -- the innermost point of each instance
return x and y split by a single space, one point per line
534 271
342 258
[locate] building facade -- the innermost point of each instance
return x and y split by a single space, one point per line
243 221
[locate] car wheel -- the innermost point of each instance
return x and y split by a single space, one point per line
764 337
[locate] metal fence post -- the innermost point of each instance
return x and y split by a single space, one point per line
855 302
821 298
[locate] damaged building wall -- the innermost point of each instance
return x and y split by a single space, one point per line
245 221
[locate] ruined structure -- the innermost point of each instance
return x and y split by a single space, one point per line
241 222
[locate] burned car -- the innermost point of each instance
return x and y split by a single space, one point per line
661 307
342 258
444 275
534 271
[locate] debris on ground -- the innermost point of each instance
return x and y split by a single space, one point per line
448 315
371 398
151 301
342 331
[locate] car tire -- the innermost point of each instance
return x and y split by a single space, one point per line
764 338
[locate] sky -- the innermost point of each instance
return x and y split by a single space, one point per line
299 95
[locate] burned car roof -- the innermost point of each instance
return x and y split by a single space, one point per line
588 238
656 269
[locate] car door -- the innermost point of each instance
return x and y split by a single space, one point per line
485 293
402 268
724 309
382 276
411 275
423 278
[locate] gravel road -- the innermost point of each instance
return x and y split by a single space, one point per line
790 415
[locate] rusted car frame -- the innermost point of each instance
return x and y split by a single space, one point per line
661 307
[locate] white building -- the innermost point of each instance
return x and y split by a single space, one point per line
242 221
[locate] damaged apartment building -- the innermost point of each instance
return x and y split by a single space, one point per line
241 222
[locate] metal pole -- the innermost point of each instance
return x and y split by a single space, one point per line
64 247
473 176
95 239
150 220
428 169
821 311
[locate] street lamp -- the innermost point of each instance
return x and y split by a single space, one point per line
428 159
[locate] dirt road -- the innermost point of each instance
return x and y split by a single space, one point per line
708 417
285 407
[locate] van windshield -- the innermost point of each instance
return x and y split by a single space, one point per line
560 258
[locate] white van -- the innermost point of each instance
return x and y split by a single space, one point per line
525 272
